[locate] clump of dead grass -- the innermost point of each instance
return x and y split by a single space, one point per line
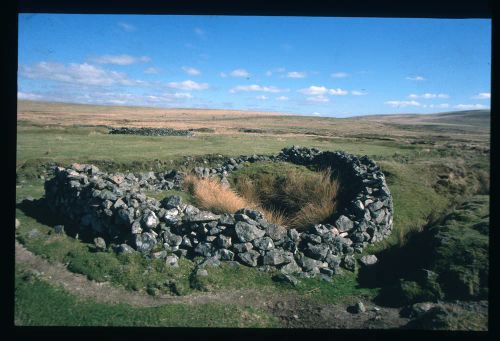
211 195
295 200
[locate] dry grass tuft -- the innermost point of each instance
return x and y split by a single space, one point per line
274 216
211 195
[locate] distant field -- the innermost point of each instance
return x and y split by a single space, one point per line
230 122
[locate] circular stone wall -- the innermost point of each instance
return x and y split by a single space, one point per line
114 208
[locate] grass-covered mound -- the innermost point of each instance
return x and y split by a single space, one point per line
460 250
455 263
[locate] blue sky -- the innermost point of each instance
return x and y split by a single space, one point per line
305 65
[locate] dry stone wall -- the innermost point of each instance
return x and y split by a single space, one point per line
118 212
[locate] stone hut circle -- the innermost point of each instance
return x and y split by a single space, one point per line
115 210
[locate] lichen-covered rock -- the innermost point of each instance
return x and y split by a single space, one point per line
145 242
249 258
368 260
100 244
344 224
247 232
264 243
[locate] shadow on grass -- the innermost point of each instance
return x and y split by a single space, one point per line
395 263
39 210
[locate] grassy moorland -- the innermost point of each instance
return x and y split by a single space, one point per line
433 164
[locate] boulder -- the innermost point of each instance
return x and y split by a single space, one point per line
224 241
318 252
247 232
319 229
368 260
242 247
349 263
172 261
159 255
124 248
264 243
204 249
344 224
252 214
290 268
225 254
249 258
227 220
275 232
275 257
201 216
309 264
359 307
99 244
145 242
150 220
59 229
244 218
200 272
286 278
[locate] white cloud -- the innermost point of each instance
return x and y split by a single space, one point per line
199 32
255 87
358 93
191 71
296 74
402 104
127 27
28 96
188 85
123 59
316 113
282 98
152 70
314 90
276 70
428 96
339 75
319 98
239 73
262 97
439 106
416 78
337 92
84 74
470 106
180 95
482 95
223 74
98 96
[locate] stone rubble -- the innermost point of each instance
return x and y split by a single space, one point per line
151 131
115 208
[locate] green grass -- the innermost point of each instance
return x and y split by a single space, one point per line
414 199
411 173
38 303
73 144
186 197
460 253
